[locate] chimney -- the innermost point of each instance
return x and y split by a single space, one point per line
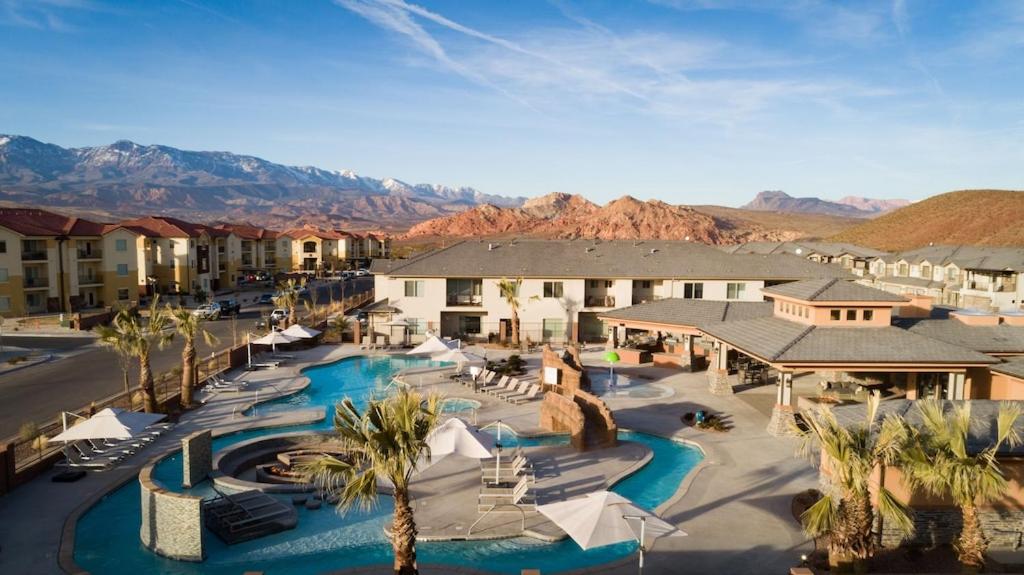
975 317
920 306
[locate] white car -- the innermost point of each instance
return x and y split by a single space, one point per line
362 272
210 311
278 315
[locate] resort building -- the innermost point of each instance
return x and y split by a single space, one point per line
329 251
50 263
988 278
260 249
181 257
853 258
566 284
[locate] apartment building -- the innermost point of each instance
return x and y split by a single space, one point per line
978 277
328 251
853 258
260 249
566 284
50 263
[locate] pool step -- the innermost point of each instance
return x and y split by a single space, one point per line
248 515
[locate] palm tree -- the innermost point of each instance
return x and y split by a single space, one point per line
942 464
288 298
142 341
509 290
117 335
384 442
339 324
850 455
189 327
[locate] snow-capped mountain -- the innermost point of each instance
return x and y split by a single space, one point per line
129 178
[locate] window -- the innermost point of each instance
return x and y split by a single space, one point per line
5 303
465 292
642 284
552 289
869 314
904 270
3 275
414 288
309 247
835 315
553 329
121 245
3 247
926 272
122 294
693 290
171 262
851 315
735 290
122 269
417 326
469 324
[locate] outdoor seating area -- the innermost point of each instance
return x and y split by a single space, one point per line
108 438
515 390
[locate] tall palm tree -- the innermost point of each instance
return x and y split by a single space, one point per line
384 442
509 290
190 327
288 298
144 338
942 464
118 336
850 455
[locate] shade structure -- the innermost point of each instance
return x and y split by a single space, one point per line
301 331
604 518
611 357
274 338
110 423
430 346
459 357
397 323
456 437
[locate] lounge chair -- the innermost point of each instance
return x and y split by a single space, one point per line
507 472
502 384
518 388
518 497
531 393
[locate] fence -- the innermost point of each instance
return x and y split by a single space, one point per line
21 459
479 331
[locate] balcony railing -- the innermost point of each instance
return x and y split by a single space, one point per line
465 300
90 280
93 254
34 255
36 282
599 301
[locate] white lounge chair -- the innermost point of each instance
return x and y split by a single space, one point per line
518 389
531 393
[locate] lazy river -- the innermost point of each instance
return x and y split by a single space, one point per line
107 536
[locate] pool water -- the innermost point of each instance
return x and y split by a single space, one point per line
107 536
453 405
612 384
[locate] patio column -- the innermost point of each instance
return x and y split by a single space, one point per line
718 374
783 416
357 332
956 387
687 359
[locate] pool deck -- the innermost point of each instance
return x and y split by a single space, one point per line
735 506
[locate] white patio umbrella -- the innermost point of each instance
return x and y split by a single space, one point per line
456 437
301 332
459 358
431 345
603 518
110 423
273 339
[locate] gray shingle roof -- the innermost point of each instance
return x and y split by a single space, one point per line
912 282
804 248
965 257
1014 368
983 338
656 259
824 290
777 339
691 312
981 434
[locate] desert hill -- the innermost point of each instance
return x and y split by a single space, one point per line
850 206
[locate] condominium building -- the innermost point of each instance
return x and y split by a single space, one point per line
327 251
54 263
180 257
853 258
566 284
260 249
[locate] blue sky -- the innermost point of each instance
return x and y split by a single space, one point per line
688 101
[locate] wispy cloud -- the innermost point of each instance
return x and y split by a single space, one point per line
42 14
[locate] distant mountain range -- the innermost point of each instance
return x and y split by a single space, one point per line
126 179
849 207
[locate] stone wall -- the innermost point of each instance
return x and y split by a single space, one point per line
1003 527
172 523
561 414
196 458
571 373
604 432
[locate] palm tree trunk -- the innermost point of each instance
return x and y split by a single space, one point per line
515 327
188 371
972 544
850 542
146 384
403 535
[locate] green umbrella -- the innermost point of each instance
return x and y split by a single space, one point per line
612 358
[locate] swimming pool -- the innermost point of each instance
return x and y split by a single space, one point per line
107 536
619 385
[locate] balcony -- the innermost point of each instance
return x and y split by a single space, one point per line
36 282
93 254
90 281
33 256
599 301
461 300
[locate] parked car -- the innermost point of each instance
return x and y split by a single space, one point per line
229 306
210 311
278 315
266 299
362 272
348 274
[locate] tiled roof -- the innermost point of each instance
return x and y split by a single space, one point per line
298 233
804 249
1013 368
981 431
984 338
691 312
777 339
248 232
825 290
607 259
163 227
965 257
34 222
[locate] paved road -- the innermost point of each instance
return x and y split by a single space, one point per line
88 371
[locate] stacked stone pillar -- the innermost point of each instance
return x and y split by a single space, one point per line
718 371
687 357
783 415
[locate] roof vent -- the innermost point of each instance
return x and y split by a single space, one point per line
654 250
490 247
589 250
